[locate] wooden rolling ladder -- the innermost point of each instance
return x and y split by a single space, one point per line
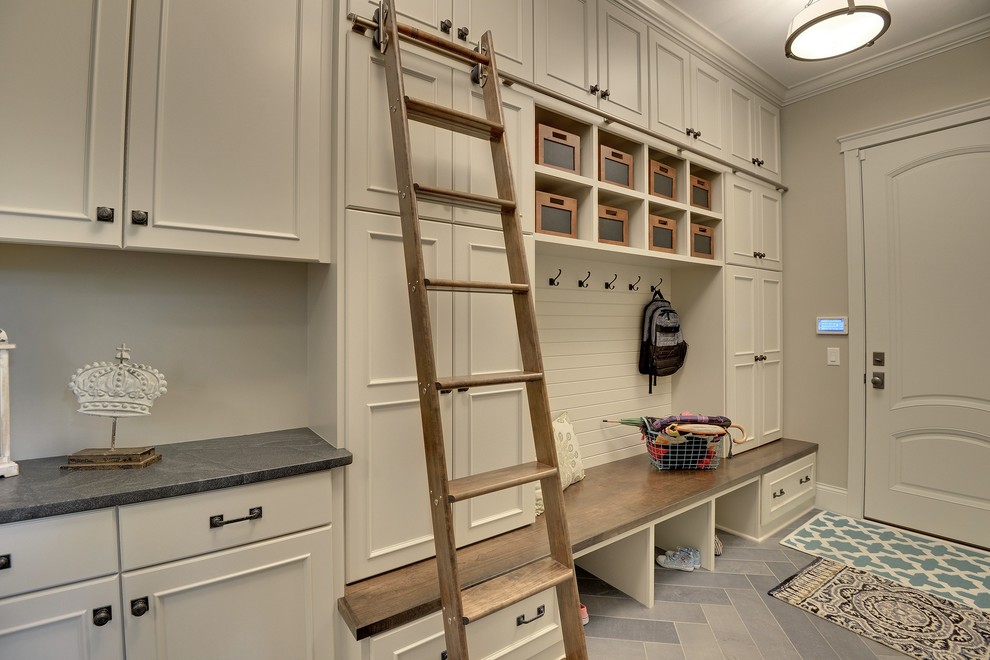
462 606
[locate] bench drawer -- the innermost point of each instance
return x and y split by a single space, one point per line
53 551
178 527
787 489
495 636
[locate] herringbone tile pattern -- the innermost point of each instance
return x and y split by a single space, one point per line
725 613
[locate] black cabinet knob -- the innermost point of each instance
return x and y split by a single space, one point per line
139 606
604 94
594 88
4 562
102 615
104 214
462 33
445 25
139 218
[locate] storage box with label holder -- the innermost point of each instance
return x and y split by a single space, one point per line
702 241
615 167
557 148
663 180
613 225
663 234
701 193
556 215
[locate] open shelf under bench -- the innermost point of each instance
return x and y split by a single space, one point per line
615 516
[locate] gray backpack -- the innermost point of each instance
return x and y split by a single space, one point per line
663 348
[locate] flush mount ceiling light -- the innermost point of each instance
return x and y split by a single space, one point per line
830 28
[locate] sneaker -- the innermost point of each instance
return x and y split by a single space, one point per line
584 615
677 560
695 554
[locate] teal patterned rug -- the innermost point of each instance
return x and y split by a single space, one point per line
952 571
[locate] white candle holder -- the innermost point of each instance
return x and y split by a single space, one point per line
8 468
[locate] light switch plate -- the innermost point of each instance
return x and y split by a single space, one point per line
832 356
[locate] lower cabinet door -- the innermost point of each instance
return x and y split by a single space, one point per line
81 621
272 599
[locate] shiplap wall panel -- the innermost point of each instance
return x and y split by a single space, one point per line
590 342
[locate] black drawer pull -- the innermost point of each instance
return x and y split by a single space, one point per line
4 562
804 480
540 611
254 513
779 493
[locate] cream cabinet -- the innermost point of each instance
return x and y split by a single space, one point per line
387 514
266 600
688 96
754 132
223 137
59 599
594 52
464 21
529 630
237 573
754 354
753 225
440 158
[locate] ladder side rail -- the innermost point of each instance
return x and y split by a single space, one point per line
568 599
429 396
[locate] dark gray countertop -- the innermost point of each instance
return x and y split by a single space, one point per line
43 489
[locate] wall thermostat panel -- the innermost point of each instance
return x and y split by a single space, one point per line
832 325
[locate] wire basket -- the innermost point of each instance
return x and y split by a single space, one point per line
681 443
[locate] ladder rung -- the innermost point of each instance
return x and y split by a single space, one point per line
508 589
463 199
502 479
454 120
467 382
435 284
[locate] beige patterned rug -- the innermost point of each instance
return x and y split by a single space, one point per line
919 624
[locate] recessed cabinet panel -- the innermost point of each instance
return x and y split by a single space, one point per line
511 23
622 47
58 623
670 71
387 514
753 233
62 120
770 238
224 135
370 170
768 136
566 41
708 86
256 602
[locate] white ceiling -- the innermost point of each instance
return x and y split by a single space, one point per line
757 30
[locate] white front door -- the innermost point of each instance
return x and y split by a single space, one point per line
926 204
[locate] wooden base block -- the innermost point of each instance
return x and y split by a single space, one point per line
112 459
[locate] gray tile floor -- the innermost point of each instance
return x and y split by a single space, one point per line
725 613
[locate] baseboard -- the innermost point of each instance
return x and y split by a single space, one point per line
832 498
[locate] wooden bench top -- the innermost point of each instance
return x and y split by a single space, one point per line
612 499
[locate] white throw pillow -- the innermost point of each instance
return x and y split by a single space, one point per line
569 462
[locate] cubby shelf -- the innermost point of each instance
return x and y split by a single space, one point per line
588 146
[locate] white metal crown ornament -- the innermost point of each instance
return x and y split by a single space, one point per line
121 389
8 468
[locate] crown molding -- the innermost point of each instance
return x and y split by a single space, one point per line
915 51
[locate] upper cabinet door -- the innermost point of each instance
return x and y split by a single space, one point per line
622 68
566 47
511 23
670 71
63 72
742 119
224 127
708 93
767 141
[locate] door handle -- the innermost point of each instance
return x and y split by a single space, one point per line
877 380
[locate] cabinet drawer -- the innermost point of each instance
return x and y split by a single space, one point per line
495 636
178 527
59 550
787 489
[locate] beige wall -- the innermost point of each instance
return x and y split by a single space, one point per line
229 335
816 396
